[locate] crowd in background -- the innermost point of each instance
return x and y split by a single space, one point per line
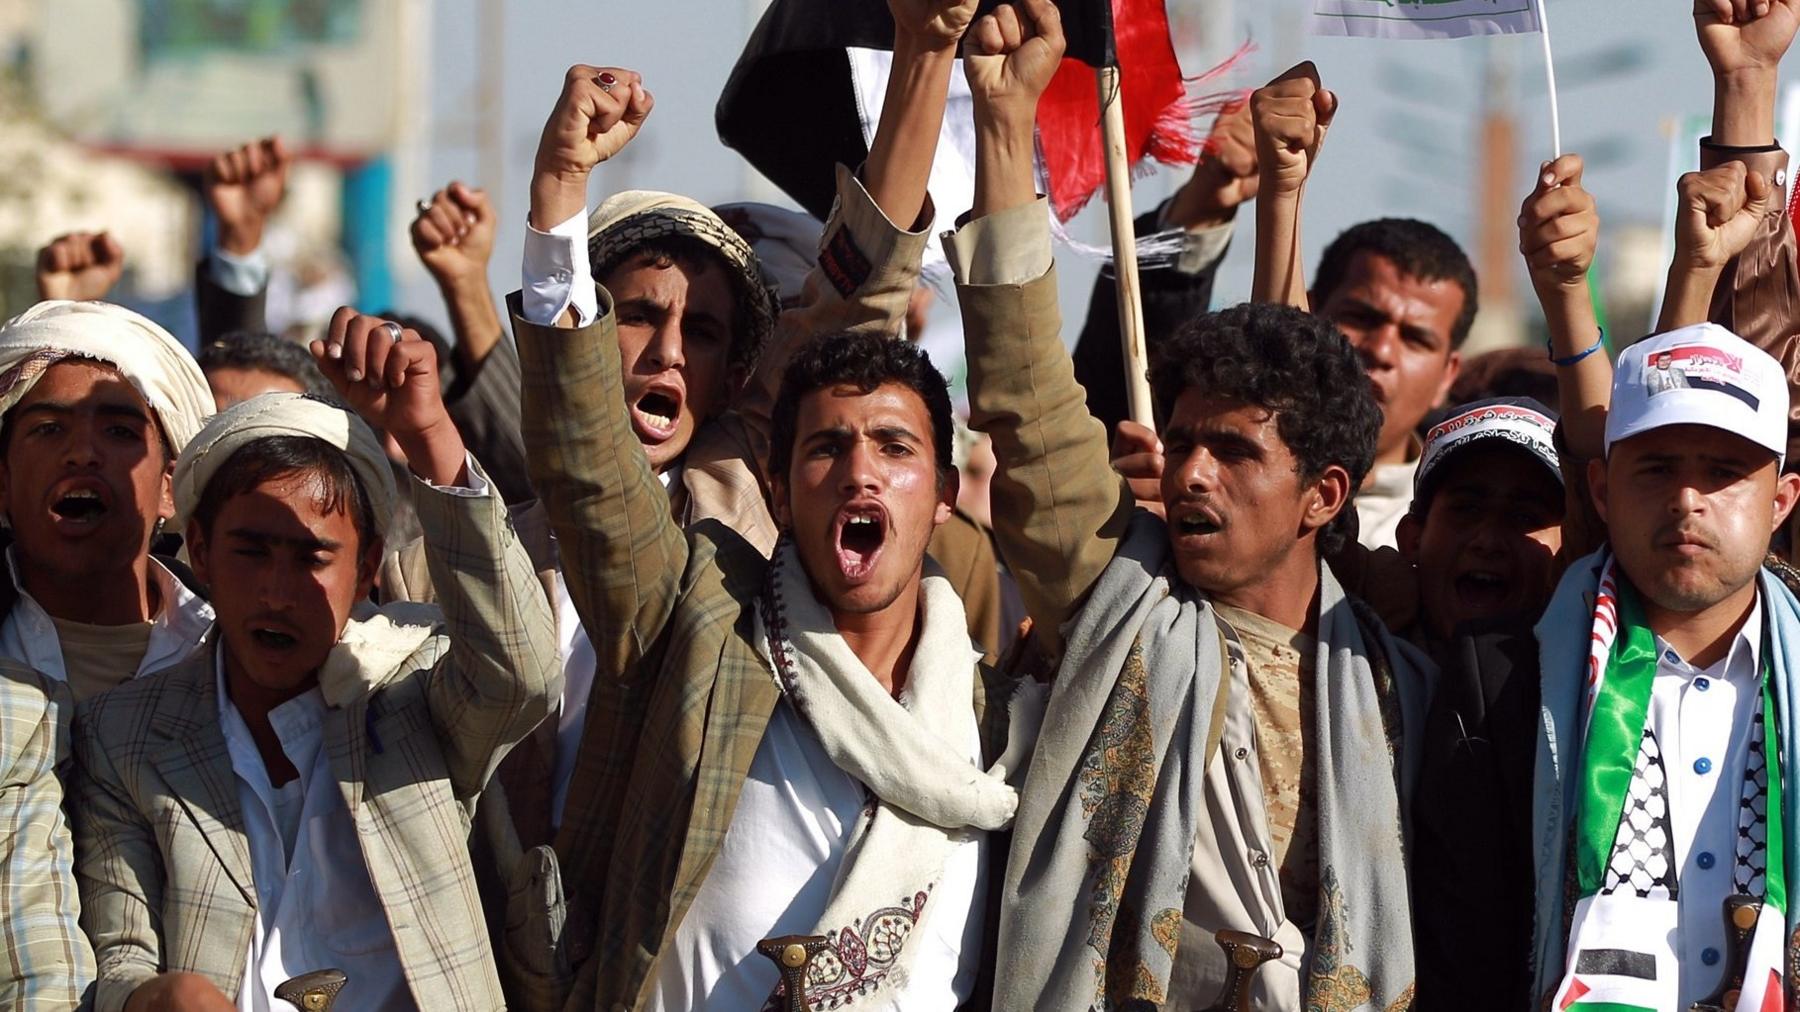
661 638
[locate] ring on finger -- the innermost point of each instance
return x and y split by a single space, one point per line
422 205
393 329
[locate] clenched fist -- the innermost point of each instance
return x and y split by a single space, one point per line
1009 57
243 186
1290 116
938 24
1225 176
1717 214
81 266
599 111
389 374
454 235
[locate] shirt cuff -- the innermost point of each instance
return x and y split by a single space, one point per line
557 275
243 276
1009 247
475 488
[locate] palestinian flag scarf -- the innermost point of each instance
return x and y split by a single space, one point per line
1621 953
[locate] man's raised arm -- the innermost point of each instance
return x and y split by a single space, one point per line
1290 116
1059 510
622 553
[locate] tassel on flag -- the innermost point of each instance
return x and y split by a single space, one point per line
1158 116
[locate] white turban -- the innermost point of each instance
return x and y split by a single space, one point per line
149 357
284 414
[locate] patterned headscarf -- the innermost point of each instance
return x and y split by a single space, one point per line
626 221
146 355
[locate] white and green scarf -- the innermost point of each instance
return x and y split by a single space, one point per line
1620 954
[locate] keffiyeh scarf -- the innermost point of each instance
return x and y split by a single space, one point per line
1574 807
911 753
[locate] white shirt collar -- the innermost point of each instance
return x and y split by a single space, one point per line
1743 662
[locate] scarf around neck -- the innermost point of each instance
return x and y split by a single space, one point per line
911 753
1621 952
1096 881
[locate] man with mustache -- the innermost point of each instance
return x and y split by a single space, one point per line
1667 695
1401 290
1225 744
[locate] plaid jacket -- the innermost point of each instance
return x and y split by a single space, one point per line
47 961
681 700
161 850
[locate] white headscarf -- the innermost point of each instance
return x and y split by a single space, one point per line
146 355
284 414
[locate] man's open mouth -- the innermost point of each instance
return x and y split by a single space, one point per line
1483 591
1192 521
273 639
861 532
79 508
654 415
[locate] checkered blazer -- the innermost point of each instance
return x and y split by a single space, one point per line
47 962
161 850
681 699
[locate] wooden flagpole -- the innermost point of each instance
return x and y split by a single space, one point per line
1124 244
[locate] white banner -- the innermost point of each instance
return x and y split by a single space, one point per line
1423 19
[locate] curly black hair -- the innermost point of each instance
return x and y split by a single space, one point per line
1293 363
864 362
1417 249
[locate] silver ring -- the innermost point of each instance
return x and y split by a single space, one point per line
606 86
422 205
393 329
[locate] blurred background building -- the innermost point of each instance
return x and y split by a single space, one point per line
108 109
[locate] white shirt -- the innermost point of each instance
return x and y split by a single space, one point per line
578 660
316 906
1702 722
781 856
557 275
182 619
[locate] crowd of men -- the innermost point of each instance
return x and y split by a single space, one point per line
640 647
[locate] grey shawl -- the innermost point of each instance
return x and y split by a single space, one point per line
1104 839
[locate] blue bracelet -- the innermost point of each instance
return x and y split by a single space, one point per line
1599 342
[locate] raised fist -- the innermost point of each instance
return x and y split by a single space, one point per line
454 235
1010 55
387 372
1717 214
937 23
243 186
599 111
1745 35
1290 116
1559 226
1225 175
82 266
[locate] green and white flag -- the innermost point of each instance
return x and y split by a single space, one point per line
1424 19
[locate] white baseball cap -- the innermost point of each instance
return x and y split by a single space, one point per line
1700 375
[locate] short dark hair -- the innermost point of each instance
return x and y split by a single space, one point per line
1417 249
863 362
274 457
695 255
264 352
1292 363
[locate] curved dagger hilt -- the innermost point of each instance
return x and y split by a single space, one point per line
1244 955
1741 912
312 992
792 955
